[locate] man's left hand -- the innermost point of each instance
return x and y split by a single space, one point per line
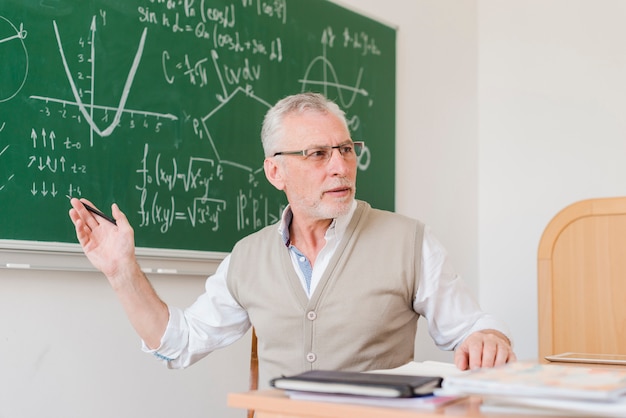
486 348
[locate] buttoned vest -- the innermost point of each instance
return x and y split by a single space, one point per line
360 316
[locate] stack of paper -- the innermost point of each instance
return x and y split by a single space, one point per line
575 389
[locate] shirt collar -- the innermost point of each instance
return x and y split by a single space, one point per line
337 227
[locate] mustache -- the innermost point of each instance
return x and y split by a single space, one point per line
340 184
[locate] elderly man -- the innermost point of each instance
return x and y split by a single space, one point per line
335 284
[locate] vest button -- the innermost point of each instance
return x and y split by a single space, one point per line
311 315
311 357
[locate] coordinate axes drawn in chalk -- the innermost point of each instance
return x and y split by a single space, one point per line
87 109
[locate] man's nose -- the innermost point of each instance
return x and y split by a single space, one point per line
337 163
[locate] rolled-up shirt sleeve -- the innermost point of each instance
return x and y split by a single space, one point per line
445 301
215 320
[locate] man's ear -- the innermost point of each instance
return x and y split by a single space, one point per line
274 173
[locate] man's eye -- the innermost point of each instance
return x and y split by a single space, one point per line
347 149
318 154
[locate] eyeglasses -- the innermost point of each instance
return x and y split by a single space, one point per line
348 150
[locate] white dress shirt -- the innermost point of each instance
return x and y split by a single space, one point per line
216 320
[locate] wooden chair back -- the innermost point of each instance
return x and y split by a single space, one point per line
582 279
254 368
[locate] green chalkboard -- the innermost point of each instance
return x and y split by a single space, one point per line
157 105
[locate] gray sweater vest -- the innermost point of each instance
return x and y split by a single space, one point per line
360 316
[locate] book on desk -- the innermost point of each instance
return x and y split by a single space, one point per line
381 385
428 372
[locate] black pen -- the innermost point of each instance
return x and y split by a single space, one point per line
95 211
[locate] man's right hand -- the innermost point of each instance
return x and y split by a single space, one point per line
111 249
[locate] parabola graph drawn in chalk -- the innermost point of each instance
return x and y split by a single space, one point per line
87 109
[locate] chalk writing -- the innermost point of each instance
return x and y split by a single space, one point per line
157 105
12 45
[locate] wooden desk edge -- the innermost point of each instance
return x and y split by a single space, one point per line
274 402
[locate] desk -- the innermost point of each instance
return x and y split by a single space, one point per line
275 404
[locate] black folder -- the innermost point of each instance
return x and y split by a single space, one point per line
362 384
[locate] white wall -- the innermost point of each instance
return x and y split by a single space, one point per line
507 112
67 350
552 125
